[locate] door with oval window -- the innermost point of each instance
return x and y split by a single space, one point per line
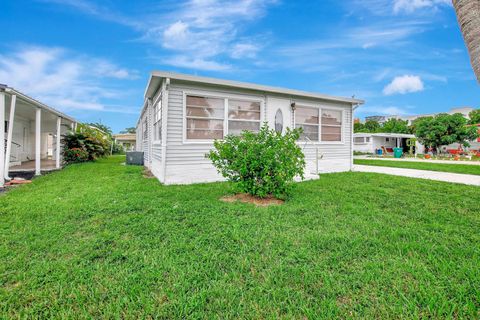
279 114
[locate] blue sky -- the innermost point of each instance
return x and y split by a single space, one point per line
92 59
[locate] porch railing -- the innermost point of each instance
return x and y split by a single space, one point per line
15 151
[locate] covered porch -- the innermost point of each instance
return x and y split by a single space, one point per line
31 133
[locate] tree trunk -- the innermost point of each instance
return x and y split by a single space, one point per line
468 15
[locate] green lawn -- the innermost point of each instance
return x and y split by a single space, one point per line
444 167
98 240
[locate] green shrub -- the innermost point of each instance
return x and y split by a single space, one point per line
262 164
95 143
75 155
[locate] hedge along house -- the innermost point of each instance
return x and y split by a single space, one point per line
182 115
30 133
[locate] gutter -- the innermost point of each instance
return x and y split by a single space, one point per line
354 107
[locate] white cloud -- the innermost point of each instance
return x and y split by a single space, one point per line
192 30
244 50
410 6
382 110
196 63
61 78
404 84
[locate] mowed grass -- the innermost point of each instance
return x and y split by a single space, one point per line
98 240
443 167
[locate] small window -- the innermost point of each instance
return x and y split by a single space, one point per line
145 129
307 119
279 121
359 140
367 139
204 118
157 120
331 125
243 116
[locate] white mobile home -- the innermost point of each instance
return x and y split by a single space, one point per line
370 142
183 114
30 133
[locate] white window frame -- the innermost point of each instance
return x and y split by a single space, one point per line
322 107
157 121
364 140
217 95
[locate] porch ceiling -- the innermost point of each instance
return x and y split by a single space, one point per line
26 111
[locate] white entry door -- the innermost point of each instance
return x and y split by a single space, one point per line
279 114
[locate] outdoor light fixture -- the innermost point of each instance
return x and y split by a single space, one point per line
293 105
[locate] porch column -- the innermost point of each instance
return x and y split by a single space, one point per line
57 155
398 142
8 150
2 138
38 133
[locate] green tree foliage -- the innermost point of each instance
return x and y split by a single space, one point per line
444 129
395 126
474 116
101 126
358 127
261 164
129 130
372 126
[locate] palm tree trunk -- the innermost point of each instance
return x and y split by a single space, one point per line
468 15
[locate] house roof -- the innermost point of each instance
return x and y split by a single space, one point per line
157 76
125 136
36 103
386 135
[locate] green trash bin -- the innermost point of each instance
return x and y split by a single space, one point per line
397 152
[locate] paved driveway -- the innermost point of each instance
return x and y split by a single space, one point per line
423 174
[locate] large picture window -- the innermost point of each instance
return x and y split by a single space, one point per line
243 115
331 125
205 117
325 128
307 119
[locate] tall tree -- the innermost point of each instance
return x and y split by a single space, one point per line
474 116
468 16
129 130
444 129
395 126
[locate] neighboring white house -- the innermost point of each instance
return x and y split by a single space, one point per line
126 140
30 133
183 114
370 142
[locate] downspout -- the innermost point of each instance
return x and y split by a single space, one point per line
164 128
354 107
8 151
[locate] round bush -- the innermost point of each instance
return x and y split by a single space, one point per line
261 164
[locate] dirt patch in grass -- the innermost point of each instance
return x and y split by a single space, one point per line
148 174
246 198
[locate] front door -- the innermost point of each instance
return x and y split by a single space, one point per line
279 114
